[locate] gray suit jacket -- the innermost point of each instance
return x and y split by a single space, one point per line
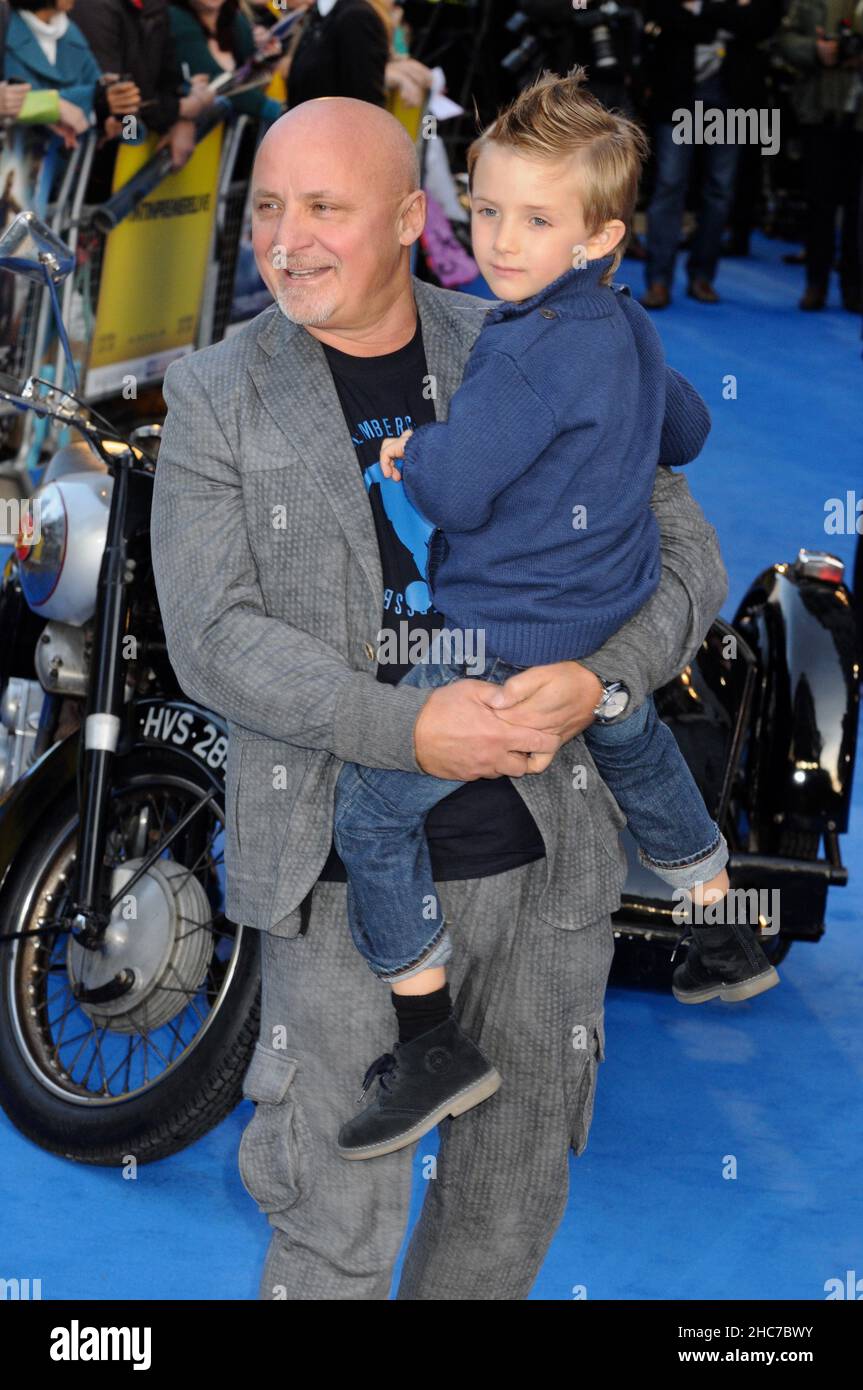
269 581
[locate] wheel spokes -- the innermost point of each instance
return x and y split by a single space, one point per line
100 1060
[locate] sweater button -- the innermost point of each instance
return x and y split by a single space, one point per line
369 650
548 313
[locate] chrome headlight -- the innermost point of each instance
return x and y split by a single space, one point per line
59 568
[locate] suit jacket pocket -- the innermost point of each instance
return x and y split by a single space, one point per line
233 781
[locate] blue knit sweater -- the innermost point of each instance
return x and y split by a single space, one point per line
540 479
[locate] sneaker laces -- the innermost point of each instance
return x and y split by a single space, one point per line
687 940
381 1067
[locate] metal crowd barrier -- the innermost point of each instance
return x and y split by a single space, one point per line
69 213
73 215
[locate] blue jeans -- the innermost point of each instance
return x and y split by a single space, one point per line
379 827
665 213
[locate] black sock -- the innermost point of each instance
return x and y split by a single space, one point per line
418 1013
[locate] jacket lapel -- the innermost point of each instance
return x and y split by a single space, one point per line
295 385
448 336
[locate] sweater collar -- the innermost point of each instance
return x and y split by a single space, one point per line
578 289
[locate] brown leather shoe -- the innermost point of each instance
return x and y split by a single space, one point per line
703 291
657 297
814 297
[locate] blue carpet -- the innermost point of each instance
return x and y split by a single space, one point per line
774 1084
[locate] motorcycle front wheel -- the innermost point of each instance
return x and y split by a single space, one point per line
134 1050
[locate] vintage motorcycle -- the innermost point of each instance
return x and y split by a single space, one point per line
129 1003
766 716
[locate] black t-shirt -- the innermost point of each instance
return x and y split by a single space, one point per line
483 827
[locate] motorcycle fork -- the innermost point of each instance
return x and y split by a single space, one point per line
100 730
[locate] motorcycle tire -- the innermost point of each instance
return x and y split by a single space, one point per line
197 1091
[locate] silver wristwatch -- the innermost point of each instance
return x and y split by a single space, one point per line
612 701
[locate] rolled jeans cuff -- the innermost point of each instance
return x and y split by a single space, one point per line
440 953
698 870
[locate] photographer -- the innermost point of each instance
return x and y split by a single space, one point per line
603 38
701 50
823 40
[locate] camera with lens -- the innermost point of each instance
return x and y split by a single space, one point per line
598 33
601 22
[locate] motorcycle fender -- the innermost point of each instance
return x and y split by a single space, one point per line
176 725
24 803
804 633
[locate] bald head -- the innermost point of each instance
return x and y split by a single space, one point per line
336 207
367 136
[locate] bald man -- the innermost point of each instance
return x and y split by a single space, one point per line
283 578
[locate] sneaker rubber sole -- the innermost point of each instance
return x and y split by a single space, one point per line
729 994
456 1105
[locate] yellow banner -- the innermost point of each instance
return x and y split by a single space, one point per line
153 270
409 116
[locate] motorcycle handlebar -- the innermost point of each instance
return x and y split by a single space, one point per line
95 434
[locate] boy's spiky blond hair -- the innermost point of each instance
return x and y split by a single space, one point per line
555 119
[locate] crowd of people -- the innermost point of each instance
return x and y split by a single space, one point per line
81 63
798 59
717 52
74 64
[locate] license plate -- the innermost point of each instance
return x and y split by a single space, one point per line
175 724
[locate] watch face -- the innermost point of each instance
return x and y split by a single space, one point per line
615 704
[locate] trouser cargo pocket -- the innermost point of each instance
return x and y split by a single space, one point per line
587 1051
275 1149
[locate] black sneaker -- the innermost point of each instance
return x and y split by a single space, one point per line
724 961
442 1072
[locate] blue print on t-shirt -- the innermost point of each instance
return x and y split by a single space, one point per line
411 528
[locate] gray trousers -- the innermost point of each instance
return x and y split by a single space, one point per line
531 995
